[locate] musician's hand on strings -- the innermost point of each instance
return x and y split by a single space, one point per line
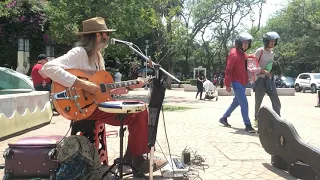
87 86
92 88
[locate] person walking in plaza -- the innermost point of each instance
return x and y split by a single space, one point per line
40 81
117 78
265 83
236 75
318 100
215 80
200 81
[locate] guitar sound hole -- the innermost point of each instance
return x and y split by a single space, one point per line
67 109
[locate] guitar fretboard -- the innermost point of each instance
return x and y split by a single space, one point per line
116 85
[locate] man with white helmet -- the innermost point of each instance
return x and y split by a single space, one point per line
236 75
265 84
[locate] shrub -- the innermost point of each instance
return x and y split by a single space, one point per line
193 82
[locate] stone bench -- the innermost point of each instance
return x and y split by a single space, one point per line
22 111
223 92
286 91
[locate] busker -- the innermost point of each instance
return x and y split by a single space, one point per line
87 57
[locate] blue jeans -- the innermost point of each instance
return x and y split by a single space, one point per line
240 98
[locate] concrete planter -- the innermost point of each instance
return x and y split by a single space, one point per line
190 88
286 91
23 111
178 85
223 92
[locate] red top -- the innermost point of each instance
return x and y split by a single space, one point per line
236 70
36 77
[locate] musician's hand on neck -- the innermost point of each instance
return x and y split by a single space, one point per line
87 86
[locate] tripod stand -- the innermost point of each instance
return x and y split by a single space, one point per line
120 162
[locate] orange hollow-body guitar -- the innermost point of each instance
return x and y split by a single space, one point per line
76 104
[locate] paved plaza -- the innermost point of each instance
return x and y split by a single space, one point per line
229 153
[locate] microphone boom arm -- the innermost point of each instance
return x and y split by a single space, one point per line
147 59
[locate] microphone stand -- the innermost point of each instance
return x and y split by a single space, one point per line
157 92
153 63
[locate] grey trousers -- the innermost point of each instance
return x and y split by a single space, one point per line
261 87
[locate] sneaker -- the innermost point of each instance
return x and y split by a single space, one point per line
250 129
224 121
318 105
255 123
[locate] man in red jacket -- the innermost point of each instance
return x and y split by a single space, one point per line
40 81
236 75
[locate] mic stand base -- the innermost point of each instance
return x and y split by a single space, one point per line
120 162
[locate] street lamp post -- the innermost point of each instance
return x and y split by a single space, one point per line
147 46
50 52
252 20
23 56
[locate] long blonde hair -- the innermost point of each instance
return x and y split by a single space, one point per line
88 42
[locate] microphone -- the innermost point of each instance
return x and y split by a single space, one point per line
117 41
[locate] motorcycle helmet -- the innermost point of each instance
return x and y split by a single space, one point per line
270 36
243 37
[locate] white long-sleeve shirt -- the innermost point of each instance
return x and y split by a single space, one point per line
76 58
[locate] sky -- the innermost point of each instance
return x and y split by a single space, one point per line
268 10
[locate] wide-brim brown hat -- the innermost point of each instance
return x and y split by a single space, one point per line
94 25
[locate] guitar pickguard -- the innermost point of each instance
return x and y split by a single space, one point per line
69 93
60 95
289 152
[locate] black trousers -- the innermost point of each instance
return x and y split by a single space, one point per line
200 90
40 87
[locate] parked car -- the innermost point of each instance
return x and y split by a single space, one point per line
307 81
284 82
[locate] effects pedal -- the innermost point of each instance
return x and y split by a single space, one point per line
185 157
174 168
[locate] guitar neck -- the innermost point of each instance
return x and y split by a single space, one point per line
121 84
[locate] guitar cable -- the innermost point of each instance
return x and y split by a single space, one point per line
66 133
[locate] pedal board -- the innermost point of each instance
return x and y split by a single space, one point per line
174 168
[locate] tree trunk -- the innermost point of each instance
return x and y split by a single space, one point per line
186 70
169 57
170 70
